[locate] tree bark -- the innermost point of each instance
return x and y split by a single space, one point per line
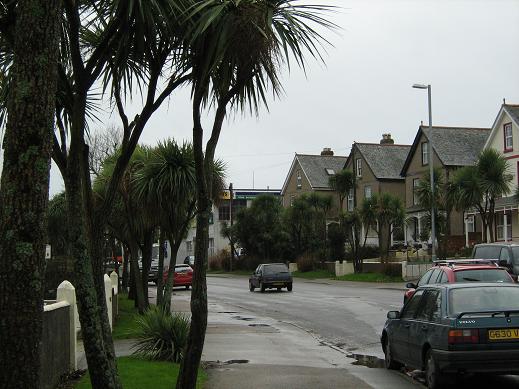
160 279
24 190
139 292
125 275
168 287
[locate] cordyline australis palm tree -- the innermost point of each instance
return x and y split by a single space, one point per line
443 201
480 185
123 43
167 180
33 40
237 48
342 182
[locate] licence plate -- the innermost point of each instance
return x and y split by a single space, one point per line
277 283
503 334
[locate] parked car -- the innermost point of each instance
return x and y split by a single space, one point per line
183 276
460 270
189 260
455 329
507 254
271 275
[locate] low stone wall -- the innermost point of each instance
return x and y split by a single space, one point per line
55 346
413 271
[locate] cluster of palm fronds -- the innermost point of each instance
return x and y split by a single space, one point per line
162 335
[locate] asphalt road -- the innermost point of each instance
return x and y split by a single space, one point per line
345 316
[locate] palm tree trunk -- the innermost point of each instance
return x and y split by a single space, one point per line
24 191
168 291
146 263
134 263
125 275
160 279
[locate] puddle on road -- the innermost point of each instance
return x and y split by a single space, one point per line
258 325
367 360
229 312
243 318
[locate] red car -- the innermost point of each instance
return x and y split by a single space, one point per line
183 276
471 270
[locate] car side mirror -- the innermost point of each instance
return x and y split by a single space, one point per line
410 285
393 315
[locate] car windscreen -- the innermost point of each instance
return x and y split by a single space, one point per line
482 275
487 252
273 269
483 298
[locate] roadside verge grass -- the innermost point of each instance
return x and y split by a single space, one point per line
138 373
369 277
125 324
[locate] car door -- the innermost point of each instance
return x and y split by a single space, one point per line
422 327
256 276
399 336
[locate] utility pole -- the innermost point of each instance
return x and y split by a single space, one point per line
230 234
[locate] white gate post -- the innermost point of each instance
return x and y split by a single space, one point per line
66 292
466 231
108 297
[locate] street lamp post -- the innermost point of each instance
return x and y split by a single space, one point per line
431 170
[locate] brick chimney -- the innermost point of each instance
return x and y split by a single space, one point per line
327 151
387 140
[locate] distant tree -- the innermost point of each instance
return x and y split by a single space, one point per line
57 224
479 187
383 213
342 182
258 228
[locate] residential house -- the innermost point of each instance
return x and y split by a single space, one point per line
453 147
221 214
504 138
311 173
377 168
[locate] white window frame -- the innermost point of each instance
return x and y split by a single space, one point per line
299 180
358 163
368 192
416 183
425 153
509 137
350 204
471 223
500 225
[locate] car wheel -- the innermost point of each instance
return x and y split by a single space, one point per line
289 287
433 377
389 362
279 289
262 287
251 287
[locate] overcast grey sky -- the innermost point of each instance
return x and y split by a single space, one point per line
466 49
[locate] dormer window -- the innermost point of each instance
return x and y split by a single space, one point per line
299 180
330 172
359 167
509 140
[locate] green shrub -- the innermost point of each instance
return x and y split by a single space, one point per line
161 335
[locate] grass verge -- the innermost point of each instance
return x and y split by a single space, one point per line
138 373
125 324
312 275
369 277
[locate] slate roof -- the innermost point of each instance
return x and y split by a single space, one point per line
454 146
314 167
513 111
386 161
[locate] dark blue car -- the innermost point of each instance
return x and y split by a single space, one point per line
271 275
446 329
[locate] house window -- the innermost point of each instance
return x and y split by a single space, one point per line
210 249
367 192
350 205
299 180
292 198
359 167
189 247
425 153
500 226
224 212
507 130
330 172
416 183
471 223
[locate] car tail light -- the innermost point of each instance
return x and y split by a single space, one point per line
463 336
